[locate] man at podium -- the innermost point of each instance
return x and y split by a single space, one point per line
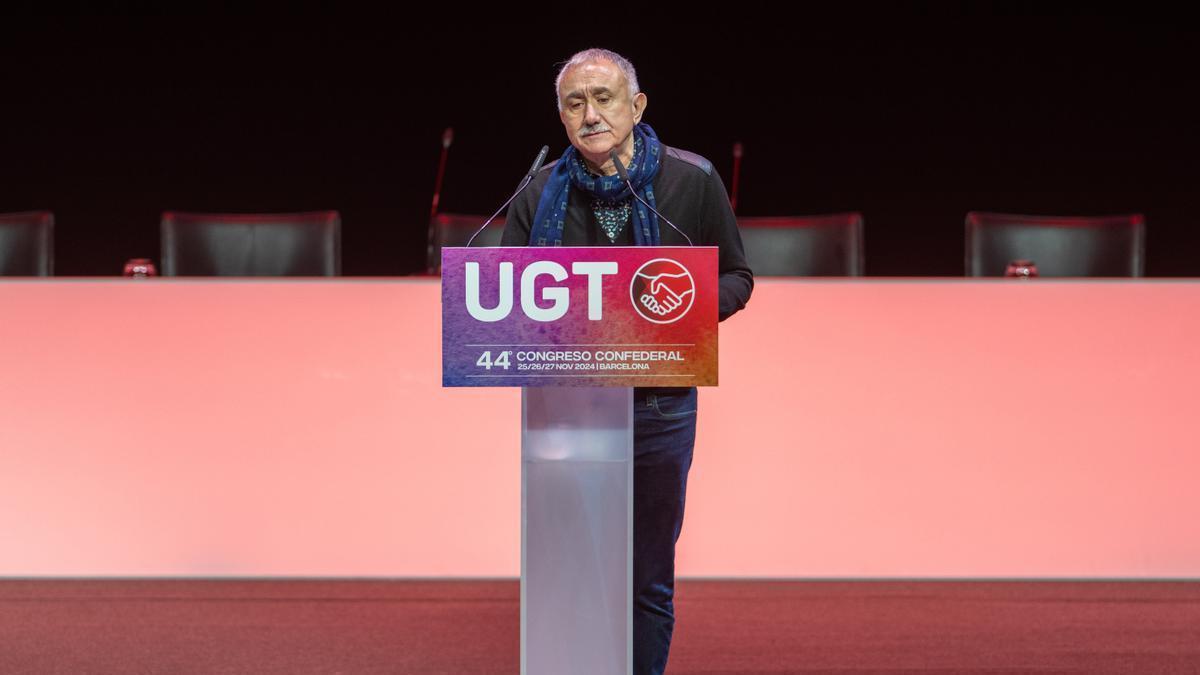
580 200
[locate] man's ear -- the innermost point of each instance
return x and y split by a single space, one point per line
639 107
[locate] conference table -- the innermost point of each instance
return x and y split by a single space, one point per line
867 427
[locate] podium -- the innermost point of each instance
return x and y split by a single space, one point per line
578 328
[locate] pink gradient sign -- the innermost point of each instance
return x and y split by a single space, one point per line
580 316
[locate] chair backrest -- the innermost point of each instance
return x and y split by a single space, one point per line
1106 246
454 229
27 244
819 246
236 244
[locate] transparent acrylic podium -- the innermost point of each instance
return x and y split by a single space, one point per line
592 322
576 530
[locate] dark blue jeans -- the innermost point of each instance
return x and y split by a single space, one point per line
664 433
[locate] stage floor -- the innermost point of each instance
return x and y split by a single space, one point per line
296 627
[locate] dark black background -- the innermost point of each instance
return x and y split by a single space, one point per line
912 116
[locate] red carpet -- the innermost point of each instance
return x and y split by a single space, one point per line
318 626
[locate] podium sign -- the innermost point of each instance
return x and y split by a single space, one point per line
602 316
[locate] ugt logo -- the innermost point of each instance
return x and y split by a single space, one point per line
662 291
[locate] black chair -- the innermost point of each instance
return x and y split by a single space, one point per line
27 244
1106 246
271 245
454 229
815 246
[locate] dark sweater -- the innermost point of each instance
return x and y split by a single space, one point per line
687 190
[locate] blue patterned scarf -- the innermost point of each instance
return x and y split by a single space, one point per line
551 213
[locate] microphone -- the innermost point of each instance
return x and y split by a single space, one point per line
624 175
538 161
737 172
537 165
431 235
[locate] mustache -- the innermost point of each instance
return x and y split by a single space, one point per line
594 129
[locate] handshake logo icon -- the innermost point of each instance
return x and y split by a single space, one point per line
662 291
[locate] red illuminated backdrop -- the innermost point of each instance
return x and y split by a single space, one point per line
862 428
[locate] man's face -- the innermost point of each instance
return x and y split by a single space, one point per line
598 110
